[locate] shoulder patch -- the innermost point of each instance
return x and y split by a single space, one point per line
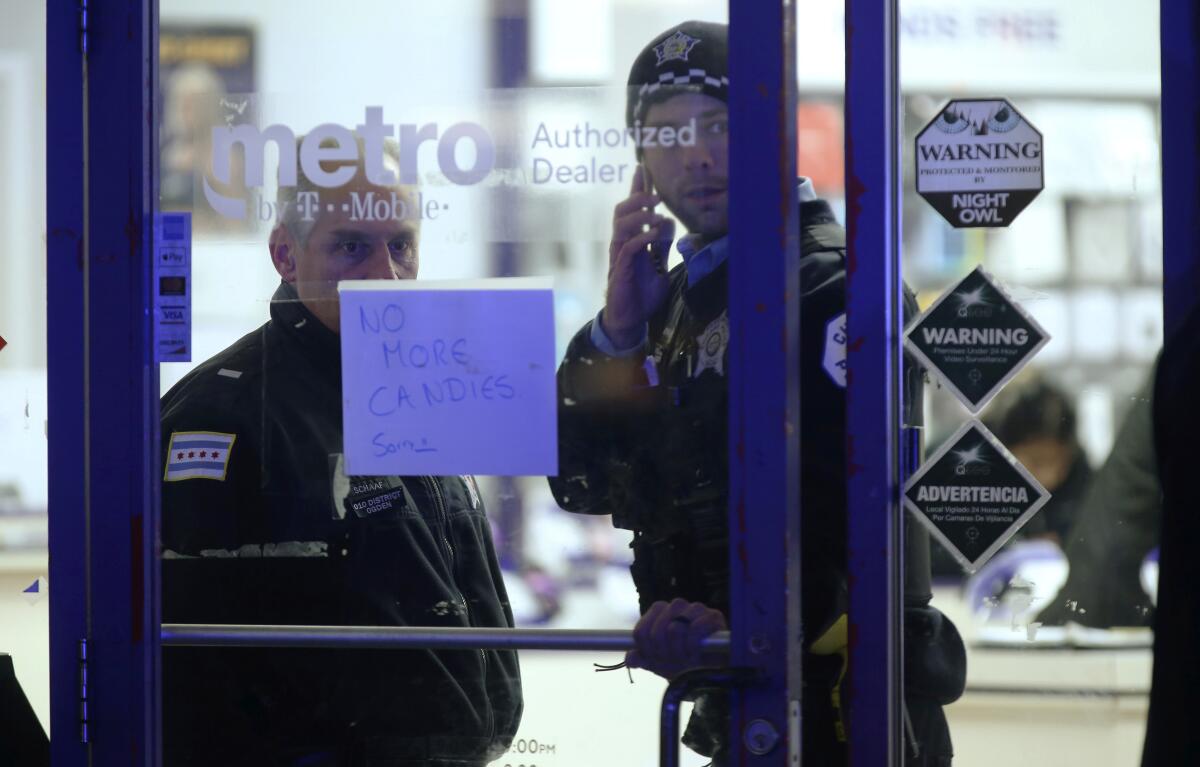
198 455
834 357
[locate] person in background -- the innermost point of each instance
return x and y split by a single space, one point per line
1036 421
1172 737
22 739
1115 527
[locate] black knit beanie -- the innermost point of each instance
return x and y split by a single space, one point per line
693 56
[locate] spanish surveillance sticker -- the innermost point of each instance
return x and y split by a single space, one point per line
973 495
975 338
979 163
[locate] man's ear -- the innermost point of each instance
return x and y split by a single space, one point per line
283 252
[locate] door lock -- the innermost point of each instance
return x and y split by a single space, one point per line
760 737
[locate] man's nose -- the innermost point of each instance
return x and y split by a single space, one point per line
379 265
697 156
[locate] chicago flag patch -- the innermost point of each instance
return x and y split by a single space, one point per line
198 455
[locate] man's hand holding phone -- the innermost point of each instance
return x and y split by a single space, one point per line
637 254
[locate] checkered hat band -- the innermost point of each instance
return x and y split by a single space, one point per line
697 77
691 77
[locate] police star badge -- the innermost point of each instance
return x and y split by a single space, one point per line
712 344
677 46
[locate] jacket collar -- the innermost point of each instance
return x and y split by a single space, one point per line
300 328
815 233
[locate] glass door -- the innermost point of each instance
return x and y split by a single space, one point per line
401 221
402 350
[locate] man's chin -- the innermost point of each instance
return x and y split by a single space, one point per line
710 229
710 224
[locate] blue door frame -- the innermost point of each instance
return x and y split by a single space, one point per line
764 350
103 383
1180 121
874 356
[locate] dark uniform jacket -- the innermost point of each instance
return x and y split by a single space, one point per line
644 438
1172 737
274 532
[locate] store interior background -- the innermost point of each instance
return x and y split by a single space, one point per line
1085 259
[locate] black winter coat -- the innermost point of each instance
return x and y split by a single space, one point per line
274 532
644 438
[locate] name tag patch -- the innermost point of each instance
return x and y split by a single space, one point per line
369 496
366 496
198 455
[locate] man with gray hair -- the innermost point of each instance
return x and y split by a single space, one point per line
261 525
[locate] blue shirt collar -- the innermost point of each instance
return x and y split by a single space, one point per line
701 261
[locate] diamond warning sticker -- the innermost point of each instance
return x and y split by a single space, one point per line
973 495
975 339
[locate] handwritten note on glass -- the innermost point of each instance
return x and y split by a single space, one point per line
449 377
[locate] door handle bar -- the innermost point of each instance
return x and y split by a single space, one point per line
410 637
682 688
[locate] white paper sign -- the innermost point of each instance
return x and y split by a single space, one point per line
453 377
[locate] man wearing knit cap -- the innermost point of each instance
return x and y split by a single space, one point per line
643 417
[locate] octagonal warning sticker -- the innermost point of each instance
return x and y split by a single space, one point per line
979 162
973 495
975 339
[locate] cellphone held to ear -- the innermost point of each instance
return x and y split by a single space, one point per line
658 252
